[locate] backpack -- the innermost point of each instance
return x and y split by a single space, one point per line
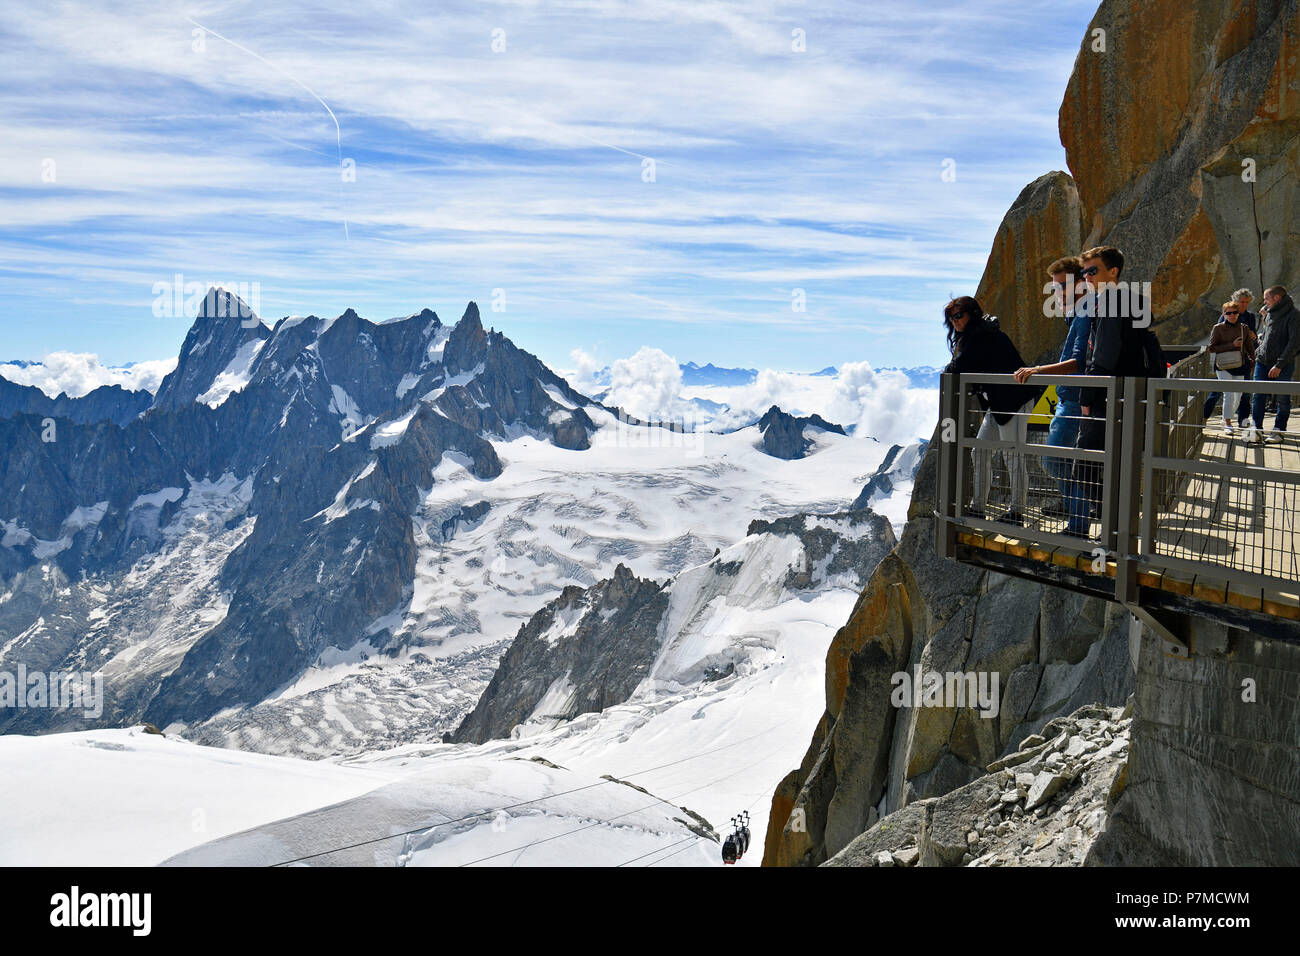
1153 356
1140 354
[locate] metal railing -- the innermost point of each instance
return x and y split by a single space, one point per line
1229 508
979 466
1157 489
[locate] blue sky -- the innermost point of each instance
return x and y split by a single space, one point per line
136 150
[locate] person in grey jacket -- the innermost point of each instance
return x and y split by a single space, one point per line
1275 359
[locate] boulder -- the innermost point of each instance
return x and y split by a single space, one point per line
1181 135
1043 224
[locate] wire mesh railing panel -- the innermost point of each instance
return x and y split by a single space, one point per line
1225 496
1230 523
1157 478
1028 479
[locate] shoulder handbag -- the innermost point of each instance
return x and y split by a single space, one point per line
1231 359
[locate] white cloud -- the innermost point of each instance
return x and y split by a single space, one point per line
648 385
583 375
876 404
882 404
78 373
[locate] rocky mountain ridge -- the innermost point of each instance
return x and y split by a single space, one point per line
111 403
592 648
790 437
324 431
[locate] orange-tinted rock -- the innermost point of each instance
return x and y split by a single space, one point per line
1156 130
827 801
1042 225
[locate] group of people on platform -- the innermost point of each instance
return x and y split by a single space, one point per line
1242 352
1107 335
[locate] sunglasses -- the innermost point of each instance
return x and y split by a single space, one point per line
1090 271
954 315
1232 313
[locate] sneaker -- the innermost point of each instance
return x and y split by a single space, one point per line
1013 517
1251 436
1228 430
1273 438
1057 509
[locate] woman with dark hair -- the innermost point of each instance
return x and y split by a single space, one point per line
978 345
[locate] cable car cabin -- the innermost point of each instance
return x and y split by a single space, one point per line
1175 519
729 850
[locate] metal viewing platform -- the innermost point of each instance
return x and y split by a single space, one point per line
1173 517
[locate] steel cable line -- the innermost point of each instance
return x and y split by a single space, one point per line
668 857
689 839
598 822
522 803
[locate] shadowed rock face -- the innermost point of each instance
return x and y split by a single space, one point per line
1156 130
108 403
1215 770
585 651
324 434
900 464
788 437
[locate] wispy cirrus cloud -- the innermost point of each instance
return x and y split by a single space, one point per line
522 169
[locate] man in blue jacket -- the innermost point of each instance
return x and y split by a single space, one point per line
1070 292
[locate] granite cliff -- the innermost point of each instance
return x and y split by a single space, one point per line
1165 106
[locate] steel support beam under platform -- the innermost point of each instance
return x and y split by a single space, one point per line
1164 612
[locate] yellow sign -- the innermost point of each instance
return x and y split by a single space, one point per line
1046 407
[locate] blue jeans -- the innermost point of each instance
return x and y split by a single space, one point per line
1063 432
1283 401
1084 488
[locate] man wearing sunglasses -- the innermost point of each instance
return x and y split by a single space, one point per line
1070 292
1115 349
1278 346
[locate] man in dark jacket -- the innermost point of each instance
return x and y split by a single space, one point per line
1115 349
1275 359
